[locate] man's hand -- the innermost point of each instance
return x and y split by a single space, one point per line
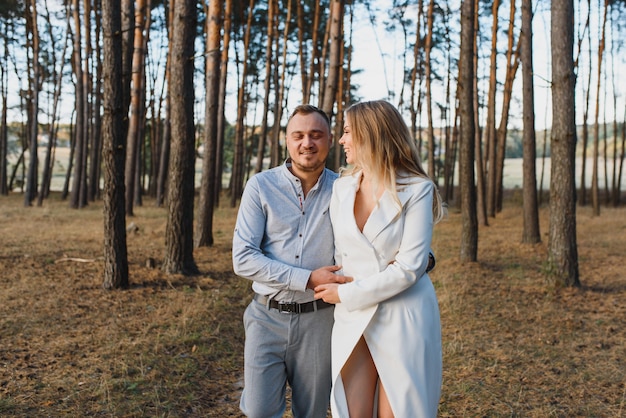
324 275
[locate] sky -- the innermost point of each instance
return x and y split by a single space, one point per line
376 51
382 71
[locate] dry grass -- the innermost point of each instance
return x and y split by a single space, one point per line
171 346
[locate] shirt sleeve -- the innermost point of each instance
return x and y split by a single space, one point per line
249 260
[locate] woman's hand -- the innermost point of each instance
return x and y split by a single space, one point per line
329 292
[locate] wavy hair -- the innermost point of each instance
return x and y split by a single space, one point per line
385 149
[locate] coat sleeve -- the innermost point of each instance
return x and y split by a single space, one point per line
410 261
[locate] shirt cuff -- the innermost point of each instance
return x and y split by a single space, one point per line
299 280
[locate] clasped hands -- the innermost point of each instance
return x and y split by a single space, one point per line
326 283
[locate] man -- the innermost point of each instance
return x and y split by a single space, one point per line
283 242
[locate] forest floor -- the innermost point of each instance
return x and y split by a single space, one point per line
172 346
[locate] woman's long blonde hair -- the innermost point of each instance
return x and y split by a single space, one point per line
385 148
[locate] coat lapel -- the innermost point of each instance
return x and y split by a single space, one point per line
347 194
384 213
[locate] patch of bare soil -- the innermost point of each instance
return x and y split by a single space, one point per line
172 346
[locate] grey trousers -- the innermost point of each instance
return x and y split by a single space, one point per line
283 348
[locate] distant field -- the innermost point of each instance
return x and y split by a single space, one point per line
513 171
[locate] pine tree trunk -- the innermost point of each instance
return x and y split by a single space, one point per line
469 233
335 60
80 140
33 122
179 229
562 250
113 138
530 233
204 228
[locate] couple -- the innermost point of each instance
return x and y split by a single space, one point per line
372 283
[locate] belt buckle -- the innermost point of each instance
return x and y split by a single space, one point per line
288 307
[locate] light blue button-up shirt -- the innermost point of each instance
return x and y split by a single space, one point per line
281 236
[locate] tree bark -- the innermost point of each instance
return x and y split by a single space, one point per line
113 138
164 152
77 197
33 121
512 64
335 60
132 138
469 233
595 189
481 206
179 229
562 250
490 128
530 233
204 227
221 120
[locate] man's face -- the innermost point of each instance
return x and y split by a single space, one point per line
308 142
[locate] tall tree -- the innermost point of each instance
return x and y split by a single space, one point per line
57 79
221 119
95 155
530 233
128 40
595 192
469 232
204 227
237 176
276 155
335 60
269 59
33 120
490 126
512 64
562 249
164 152
115 250
9 11
315 54
582 198
429 99
481 208
179 229
78 198
4 85
136 107
416 70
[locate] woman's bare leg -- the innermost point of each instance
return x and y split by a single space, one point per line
384 407
359 377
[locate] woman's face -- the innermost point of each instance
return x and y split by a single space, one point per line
346 142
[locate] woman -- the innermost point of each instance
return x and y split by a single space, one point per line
386 343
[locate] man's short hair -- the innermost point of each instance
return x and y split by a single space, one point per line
307 109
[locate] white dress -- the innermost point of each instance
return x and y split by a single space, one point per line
391 301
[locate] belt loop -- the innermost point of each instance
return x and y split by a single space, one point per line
268 300
315 305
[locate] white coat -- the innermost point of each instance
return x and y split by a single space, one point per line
391 301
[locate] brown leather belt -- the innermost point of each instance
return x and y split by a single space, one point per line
292 307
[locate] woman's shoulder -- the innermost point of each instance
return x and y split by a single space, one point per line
347 177
413 182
